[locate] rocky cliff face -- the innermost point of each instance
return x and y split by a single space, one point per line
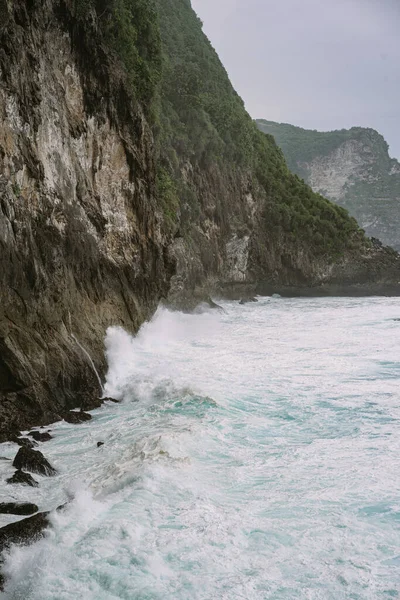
102 216
241 220
351 167
80 241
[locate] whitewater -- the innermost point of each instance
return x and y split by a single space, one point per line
255 455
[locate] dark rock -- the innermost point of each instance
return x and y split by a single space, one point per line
214 305
22 532
100 444
15 508
111 400
84 287
76 417
24 442
247 300
40 437
24 478
4 458
34 461
7 434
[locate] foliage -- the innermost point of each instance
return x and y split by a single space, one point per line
303 145
373 194
130 29
168 196
203 119
198 117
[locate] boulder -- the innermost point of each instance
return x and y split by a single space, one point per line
24 442
24 478
100 444
111 400
18 508
33 461
39 436
22 532
76 417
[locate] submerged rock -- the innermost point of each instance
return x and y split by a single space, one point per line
18 508
111 400
38 436
100 444
34 461
76 417
23 478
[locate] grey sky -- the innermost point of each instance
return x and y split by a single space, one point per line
320 64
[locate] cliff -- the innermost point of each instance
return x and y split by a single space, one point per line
130 172
351 167
240 218
80 240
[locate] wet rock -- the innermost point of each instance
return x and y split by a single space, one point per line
4 458
214 305
18 508
23 478
247 300
24 442
34 461
76 417
111 400
100 444
38 436
22 532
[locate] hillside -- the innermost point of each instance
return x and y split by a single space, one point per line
351 167
130 173
242 216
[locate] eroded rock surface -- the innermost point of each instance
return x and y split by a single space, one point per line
80 242
23 478
33 461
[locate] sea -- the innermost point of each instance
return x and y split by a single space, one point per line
254 455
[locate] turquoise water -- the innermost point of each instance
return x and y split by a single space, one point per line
255 455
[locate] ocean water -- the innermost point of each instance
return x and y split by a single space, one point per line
255 455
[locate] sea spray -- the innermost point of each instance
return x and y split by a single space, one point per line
253 456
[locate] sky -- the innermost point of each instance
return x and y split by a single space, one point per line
319 64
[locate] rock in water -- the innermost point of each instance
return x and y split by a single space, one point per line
100 444
76 417
24 478
22 532
111 400
247 300
34 461
38 436
15 508
24 442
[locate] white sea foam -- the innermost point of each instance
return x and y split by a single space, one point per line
255 455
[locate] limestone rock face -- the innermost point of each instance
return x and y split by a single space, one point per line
80 241
351 167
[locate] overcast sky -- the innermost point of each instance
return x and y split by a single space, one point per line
320 64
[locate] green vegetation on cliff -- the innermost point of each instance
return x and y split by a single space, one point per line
130 29
203 119
351 167
199 118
